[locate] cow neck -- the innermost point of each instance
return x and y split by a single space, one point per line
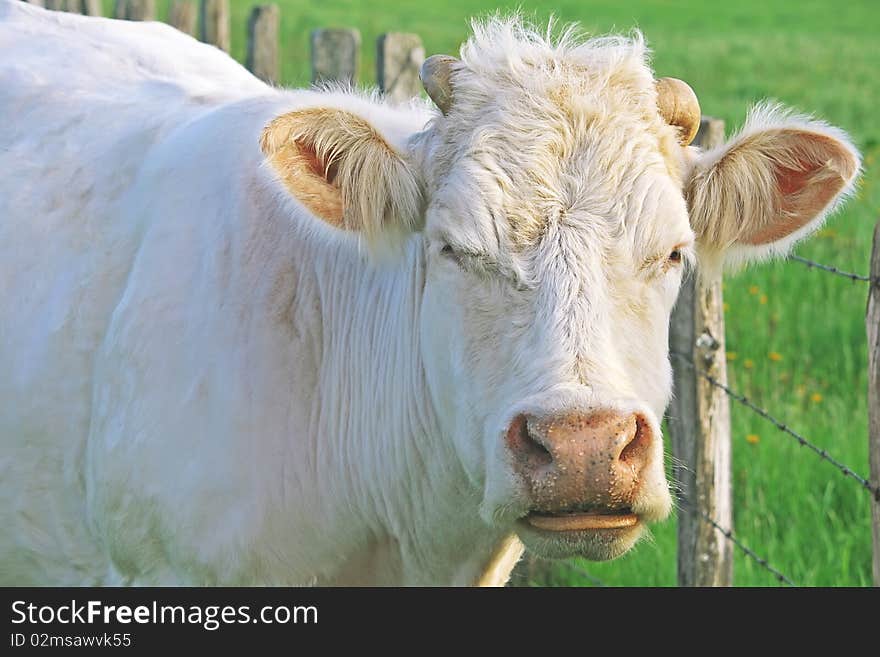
375 407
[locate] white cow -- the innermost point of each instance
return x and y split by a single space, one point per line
259 336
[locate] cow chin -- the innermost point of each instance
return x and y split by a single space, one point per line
595 545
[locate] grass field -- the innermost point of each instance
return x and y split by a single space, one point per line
795 336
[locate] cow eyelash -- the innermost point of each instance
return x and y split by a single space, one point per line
448 252
477 263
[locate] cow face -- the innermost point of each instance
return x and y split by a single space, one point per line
561 211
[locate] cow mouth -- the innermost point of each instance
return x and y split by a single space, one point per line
577 521
593 534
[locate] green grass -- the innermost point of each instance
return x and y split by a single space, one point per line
822 57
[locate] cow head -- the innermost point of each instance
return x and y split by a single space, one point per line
560 207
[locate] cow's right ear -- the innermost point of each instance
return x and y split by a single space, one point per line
345 172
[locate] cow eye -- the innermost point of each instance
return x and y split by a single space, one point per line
675 256
448 252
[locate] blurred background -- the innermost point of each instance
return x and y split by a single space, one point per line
795 336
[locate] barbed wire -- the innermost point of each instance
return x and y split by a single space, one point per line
821 452
728 534
812 264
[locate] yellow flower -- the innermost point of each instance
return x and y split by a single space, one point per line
763 300
748 363
816 397
752 439
774 356
731 355
754 289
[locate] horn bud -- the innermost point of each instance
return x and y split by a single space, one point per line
678 105
436 77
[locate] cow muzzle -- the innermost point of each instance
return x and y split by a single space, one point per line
591 480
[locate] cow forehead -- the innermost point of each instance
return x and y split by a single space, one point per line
620 194
554 129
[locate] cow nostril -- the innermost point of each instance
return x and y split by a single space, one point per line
524 446
635 452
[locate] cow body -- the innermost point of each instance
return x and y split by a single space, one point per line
127 263
207 378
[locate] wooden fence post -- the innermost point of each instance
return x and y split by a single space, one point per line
699 421
92 8
262 45
141 10
215 23
872 324
335 55
135 10
71 6
87 7
183 15
399 57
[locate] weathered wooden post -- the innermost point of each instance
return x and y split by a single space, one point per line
335 55
872 324
91 8
183 15
141 10
215 23
87 7
399 57
699 421
135 10
262 44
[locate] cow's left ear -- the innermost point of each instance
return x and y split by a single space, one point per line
770 185
345 172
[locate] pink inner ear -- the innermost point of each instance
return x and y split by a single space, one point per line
806 189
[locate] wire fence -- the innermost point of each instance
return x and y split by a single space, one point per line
579 571
822 453
812 264
728 534
582 573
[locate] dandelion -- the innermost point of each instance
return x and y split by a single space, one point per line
763 300
748 363
753 439
775 357
754 289
731 355
816 397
